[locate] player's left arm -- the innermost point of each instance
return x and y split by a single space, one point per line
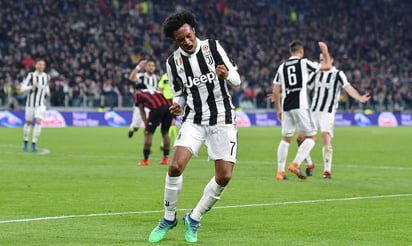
355 94
352 91
228 70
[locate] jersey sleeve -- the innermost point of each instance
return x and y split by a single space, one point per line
175 82
311 80
343 79
25 85
233 77
276 79
312 66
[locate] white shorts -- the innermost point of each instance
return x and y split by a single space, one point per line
34 112
298 120
137 118
324 121
221 140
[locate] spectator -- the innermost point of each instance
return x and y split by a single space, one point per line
79 41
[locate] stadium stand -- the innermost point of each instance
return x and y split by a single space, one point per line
90 46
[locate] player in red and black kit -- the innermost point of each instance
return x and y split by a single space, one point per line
159 113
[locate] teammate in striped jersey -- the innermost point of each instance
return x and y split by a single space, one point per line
199 73
327 88
292 107
159 113
36 85
148 78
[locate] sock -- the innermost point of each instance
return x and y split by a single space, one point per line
172 133
36 133
304 150
283 149
165 152
309 159
146 153
327 152
211 195
173 186
26 132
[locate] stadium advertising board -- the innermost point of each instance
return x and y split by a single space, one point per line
54 118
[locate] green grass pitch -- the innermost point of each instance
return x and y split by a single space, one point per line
83 187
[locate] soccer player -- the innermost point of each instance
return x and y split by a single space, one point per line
327 88
159 113
164 86
150 79
36 85
199 73
292 107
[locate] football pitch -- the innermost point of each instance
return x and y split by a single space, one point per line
83 187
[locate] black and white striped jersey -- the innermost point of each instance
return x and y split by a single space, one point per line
36 96
149 80
193 79
327 87
293 76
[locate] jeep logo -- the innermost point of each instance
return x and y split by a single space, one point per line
202 79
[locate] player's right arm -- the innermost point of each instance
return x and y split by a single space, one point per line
276 99
276 94
177 87
327 64
136 70
25 86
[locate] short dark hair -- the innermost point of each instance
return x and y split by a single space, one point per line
174 21
140 86
295 46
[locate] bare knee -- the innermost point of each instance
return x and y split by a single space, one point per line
223 172
181 157
223 179
175 169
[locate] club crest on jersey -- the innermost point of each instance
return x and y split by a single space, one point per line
207 54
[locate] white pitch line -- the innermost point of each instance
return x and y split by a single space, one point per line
241 161
217 207
40 151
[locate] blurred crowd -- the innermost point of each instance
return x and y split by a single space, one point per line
90 47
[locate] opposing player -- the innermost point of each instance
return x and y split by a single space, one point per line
150 79
292 107
199 73
36 85
159 114
327 88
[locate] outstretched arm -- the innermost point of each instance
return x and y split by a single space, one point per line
355 94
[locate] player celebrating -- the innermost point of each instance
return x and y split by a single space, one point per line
327 87
150 79
291 80
37 86
199 72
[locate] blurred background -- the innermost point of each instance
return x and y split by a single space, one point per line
90 47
